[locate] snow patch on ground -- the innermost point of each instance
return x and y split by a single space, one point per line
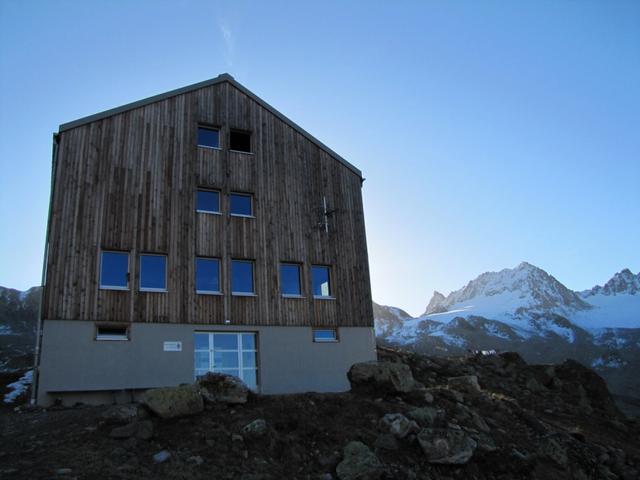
19 387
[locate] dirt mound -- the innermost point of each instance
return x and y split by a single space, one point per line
523 421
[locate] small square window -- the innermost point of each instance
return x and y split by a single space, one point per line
242 277
111 332
207 275
208 137
290 279
241 204
240 141
114 270
325 335
208 201
153 273
320 281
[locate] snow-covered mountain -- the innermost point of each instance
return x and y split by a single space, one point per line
527 310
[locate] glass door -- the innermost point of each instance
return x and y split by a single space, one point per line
233 353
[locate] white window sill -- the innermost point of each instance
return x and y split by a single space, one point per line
106 287
243 294
209 148
240 151
241 215
111 339
288 295
209 212
154 290
326 341
323 297
208 292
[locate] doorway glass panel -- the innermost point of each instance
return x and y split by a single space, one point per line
227 352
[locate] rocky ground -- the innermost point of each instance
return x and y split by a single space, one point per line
480 417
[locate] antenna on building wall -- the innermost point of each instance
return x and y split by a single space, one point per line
326 213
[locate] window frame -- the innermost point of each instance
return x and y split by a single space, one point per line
210 190
97 337
291 295
128 275
166 267
252 203
253 278
335 339
208 292
211 351
329 277
246 132
208 127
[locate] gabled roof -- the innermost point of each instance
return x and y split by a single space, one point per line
225 77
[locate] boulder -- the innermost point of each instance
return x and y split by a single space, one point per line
381 377
359 463
465 414
120 413
446 446
465 383
398 425
218 387
173 402
426 416
256 428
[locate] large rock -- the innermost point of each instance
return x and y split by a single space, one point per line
257 428
120 413
465 383
446 446
359 463
381 377
173 402
398 425
426 416
218 387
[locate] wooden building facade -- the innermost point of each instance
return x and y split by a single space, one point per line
127 180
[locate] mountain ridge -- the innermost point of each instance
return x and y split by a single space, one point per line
525 309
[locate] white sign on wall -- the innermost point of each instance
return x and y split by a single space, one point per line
172 346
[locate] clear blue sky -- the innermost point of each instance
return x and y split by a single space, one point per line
489 132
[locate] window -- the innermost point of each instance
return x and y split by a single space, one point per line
320 281
110 332
241 204
208 201
290 280
208 137
242 277
207 275
230 353
153 273
325 335
239 141
114 270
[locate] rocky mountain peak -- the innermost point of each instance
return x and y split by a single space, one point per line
435 304
526 285
622 283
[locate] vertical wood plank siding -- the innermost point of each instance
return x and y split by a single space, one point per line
128 183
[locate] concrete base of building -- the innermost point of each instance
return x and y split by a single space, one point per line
74 367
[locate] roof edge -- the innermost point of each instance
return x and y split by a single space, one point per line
224 77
